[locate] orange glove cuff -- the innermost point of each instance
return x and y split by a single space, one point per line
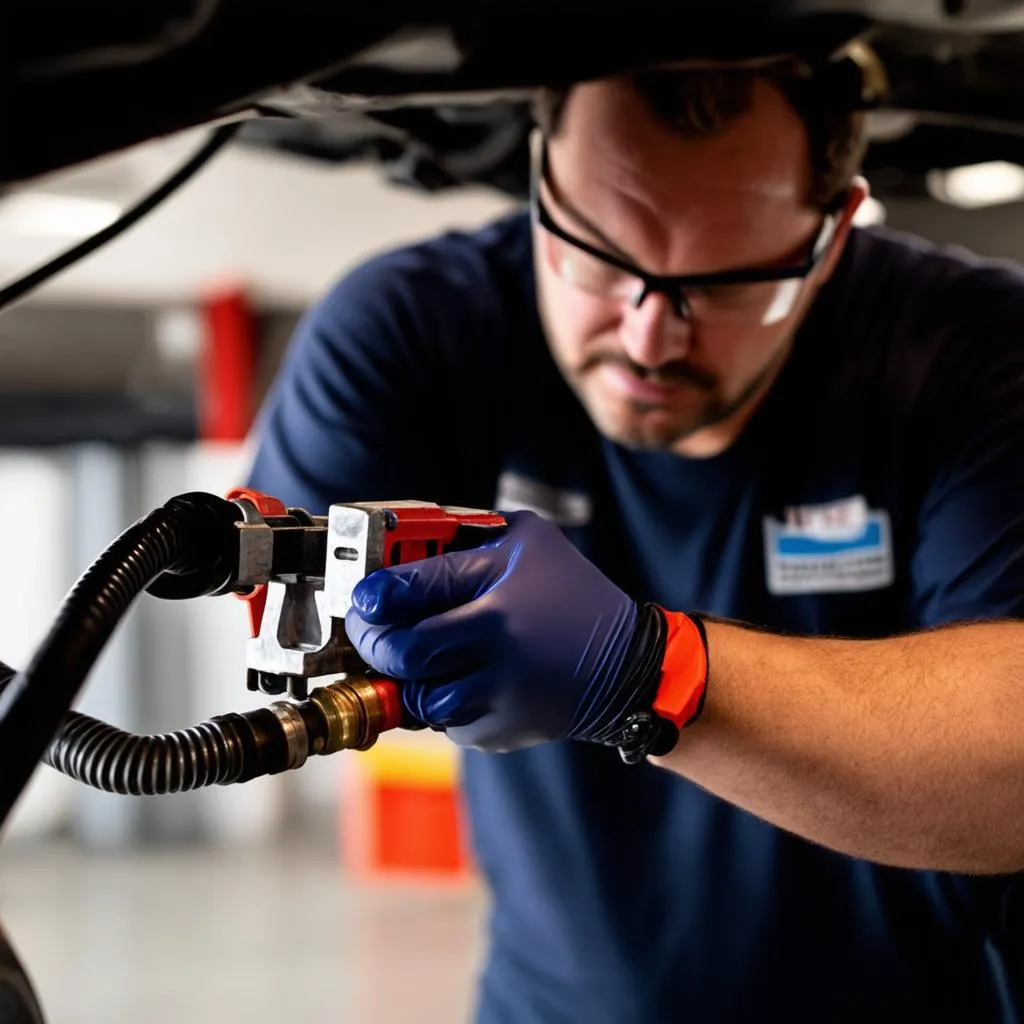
684 671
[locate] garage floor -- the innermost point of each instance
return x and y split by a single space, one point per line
254 936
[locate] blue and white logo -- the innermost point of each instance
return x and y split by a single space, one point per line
835 547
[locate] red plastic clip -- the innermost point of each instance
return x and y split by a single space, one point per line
266 506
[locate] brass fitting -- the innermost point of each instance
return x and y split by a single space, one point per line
353 711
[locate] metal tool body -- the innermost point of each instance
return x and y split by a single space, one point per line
297 572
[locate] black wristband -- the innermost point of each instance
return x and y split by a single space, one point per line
644 733
637 684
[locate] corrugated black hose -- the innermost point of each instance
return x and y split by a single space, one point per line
105 757
194 539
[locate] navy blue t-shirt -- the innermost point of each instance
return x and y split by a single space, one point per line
879 489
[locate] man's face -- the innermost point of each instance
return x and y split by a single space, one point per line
631 188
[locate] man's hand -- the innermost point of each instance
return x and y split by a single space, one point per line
905 750
509 644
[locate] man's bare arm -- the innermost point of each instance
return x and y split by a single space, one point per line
907 751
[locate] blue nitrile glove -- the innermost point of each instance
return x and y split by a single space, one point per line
518 641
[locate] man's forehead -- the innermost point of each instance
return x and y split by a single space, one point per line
679 205
609 137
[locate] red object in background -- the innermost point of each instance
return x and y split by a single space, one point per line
420 829
227 367
400 820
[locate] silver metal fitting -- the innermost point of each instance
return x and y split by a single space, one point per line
295 732
255 546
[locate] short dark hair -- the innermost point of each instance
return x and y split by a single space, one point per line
703 101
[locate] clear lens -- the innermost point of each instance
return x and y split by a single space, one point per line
761 303
580 269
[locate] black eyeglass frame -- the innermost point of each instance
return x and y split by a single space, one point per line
671 285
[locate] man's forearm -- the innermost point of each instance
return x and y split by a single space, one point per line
907 751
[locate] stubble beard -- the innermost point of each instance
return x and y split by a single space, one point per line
648 426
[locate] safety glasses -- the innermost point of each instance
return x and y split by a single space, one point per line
758 296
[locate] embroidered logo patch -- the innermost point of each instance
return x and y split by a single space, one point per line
834 547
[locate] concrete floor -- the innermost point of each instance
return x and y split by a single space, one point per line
256 936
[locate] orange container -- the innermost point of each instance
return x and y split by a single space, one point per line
401 812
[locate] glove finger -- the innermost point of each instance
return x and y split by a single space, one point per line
469 714
439 648
417 590
443 706
376 645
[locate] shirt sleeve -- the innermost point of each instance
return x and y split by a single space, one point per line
372 400
968 562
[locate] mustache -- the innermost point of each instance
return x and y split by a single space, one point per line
668 373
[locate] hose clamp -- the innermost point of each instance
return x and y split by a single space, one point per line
295 732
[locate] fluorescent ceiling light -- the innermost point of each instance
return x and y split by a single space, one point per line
49 215
871 211
976 185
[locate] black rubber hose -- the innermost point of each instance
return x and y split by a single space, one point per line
223 750
217 140
110 759
220 751
177 536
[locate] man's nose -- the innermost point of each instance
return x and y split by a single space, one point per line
652 333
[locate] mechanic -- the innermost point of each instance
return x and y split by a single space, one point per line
740 687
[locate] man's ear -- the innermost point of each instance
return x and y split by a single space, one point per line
858 191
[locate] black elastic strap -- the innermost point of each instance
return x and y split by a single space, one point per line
637 683
644 733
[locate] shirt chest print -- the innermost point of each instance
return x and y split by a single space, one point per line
833 547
